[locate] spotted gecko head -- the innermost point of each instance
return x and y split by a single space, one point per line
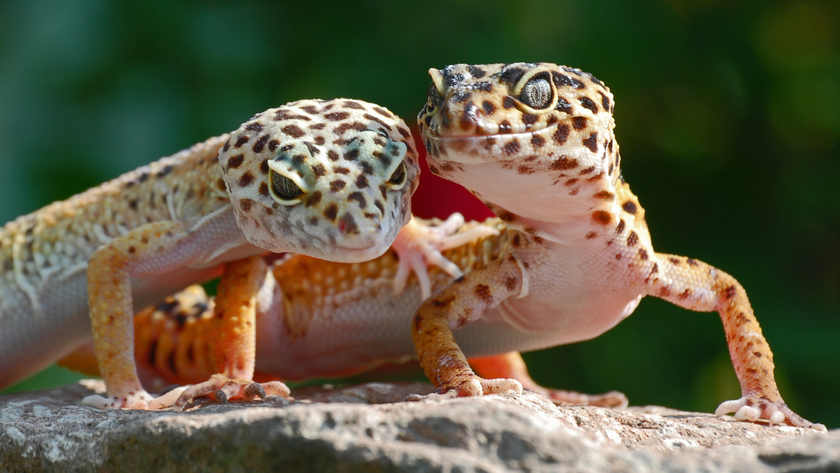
526 135
331 179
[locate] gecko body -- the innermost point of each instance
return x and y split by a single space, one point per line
535 142
331 179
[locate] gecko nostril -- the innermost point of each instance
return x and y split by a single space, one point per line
347 225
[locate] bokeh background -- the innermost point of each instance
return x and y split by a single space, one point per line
728 116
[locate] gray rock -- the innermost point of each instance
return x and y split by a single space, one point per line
366 428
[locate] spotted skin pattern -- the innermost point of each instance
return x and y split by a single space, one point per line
535 142
330 179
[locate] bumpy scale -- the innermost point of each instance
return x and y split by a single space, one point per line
330 179
535 142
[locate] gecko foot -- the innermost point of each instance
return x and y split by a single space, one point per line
136 400
420 246
225 389
474 386
748 409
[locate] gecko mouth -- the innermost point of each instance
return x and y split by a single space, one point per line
478 148
362 254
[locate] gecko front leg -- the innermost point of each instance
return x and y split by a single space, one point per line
465 300
152 249
695 285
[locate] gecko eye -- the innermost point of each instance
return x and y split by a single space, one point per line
283 188
397 178
537 92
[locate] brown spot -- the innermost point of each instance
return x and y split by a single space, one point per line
319 140
730 292
347 224
313 199
516 240
226 146
488 108
246 179
383 112
664 292
512 147
605 101
337 116
692 262
632 238
377 120
592 142
483 292
263 189
260 144
361 182
525 170
319 170
332 155
272 145
562 134
245 204
589 104
629 207
132 249
591 235
510 283
604 195
441 303
358 126
293 130
587 170
354 105
505 127
579 123
318 126
337 185
643 254
476 71
602 217
537 141
358 197
620 227
508 102
241 141
405 133
674 261
563 163
331 212
571 182
264 167
529 119
235 161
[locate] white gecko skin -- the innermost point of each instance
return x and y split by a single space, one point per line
331 179
535 142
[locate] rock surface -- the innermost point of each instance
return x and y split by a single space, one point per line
364 428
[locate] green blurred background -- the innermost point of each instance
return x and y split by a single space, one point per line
728 118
